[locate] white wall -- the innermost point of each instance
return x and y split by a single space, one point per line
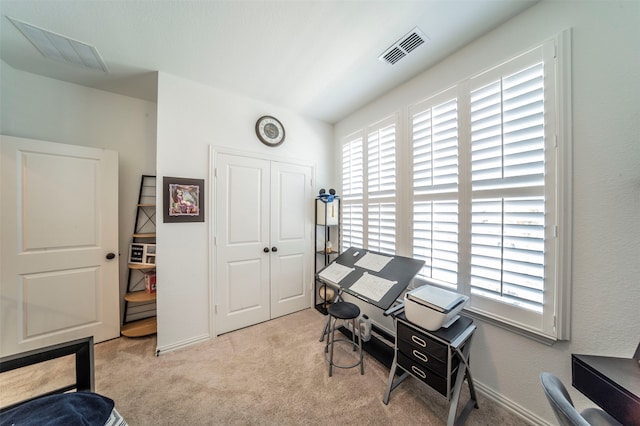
191 118
606 198
42 108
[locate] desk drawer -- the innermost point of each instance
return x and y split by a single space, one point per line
421 356
422 342
427 376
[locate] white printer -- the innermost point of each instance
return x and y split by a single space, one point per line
433 307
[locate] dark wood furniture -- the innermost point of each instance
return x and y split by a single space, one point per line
612 383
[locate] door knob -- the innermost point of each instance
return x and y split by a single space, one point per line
274 248
266 249
111 256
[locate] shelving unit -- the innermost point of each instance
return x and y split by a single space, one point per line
327 246
139 318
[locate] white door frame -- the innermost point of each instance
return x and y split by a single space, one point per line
213 152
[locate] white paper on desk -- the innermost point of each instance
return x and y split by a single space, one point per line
372 287
373 262
335 272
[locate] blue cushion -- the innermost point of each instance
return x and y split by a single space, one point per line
68 409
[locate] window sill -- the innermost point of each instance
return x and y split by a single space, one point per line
513 328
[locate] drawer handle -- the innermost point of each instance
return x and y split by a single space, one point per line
418 372
422 357
418 341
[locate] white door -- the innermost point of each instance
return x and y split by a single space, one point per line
262 240
241 238
291 277
59 224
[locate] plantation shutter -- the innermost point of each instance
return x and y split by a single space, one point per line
352 193
434 131
381 187
352 225
381 162
381 226
352 171
507 179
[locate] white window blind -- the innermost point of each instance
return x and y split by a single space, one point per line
507 251
352 169
352 225
435 240
507 131
507 173
434 134
381 162
435 148
369 188
381 227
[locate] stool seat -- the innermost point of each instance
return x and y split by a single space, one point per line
344 310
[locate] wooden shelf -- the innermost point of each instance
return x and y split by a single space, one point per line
142 266
145 235
140 296
139 318
139 328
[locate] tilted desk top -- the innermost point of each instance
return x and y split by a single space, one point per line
400 269
612 383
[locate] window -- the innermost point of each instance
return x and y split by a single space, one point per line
369 216
488 161
435 165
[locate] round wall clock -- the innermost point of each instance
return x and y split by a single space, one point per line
270 130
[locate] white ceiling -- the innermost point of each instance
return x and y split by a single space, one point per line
318 58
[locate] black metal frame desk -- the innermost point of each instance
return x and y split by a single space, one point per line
400 270
439 359
612 383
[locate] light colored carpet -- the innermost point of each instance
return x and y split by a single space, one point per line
272 373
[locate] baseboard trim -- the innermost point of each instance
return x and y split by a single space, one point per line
510 405
183 344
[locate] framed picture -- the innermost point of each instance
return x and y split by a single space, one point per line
142 254
183 200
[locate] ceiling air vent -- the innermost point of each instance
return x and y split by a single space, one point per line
61 48
408 43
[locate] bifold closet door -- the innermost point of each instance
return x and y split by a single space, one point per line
262 240
242 242
291 236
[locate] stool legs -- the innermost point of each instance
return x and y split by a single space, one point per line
359 345
356 345
333 333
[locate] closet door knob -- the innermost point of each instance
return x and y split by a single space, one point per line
274 249
266 249
111 256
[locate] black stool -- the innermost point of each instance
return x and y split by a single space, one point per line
344 311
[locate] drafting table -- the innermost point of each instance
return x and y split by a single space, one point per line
397 272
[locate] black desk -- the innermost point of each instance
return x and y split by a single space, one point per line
612 383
